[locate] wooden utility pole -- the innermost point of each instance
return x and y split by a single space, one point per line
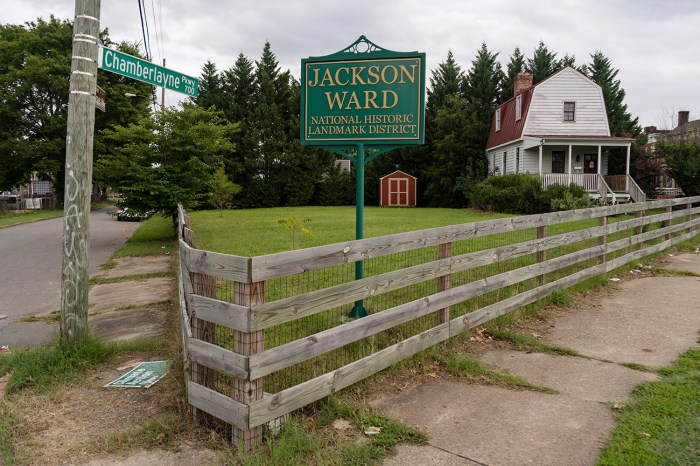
78 184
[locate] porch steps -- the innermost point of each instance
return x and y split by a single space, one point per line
620 198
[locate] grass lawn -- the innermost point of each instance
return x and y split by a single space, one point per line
258 231
661 423
12 219
9 220
154 236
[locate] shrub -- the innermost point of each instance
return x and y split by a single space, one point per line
559 197
523 194
513 194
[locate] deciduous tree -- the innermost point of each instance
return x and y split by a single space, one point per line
167 160
683 162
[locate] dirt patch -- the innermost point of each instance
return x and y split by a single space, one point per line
65 424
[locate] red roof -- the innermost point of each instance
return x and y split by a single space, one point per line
510 129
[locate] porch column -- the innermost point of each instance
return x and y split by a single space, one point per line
627 170
571 150
540 165
600 160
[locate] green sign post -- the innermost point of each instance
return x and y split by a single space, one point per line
142 70
361 102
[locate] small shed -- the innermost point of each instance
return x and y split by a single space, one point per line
397 189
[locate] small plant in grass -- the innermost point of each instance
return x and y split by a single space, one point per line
222 190
293 225
561 298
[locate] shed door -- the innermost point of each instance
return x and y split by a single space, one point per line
398 191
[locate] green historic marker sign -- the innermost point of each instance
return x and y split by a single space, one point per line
360 103
372 97
142 70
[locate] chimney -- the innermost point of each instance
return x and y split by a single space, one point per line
683 116
649 129
522 81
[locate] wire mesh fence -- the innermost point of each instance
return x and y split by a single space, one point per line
486 268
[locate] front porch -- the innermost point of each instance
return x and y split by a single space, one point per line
613 189
584 162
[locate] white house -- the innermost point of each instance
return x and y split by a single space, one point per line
559 129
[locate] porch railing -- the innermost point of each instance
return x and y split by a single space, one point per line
635 191
617 183
605 191
589 182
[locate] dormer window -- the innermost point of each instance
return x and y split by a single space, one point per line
498 119
569 111
518 107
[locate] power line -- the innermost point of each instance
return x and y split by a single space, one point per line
146 45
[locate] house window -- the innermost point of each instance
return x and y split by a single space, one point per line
518 107
498 119
557 161
569 111
517 160
505 154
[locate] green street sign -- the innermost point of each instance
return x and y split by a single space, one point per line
142 70
363 94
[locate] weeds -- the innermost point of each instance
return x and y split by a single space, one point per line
525 342
468 367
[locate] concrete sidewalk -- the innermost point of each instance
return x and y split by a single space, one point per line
123 310
648 321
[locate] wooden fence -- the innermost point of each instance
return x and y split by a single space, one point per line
278 322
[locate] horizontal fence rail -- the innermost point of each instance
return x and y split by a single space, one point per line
270 334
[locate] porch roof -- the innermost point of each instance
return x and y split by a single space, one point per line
577 140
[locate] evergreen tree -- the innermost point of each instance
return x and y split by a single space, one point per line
445 81
515 65
483 88
268 136
238 84
456 155
568 60
210 88
542 64
601 71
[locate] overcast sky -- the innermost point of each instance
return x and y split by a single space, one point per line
654 43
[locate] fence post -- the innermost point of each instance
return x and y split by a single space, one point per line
541 255
203 285
688 206
602 239
247 391
667 223
640 229
444 283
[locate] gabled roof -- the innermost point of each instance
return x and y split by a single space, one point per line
399 172
512 130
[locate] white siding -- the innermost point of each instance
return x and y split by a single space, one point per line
546 113
497 155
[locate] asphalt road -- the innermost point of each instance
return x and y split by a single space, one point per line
31 258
